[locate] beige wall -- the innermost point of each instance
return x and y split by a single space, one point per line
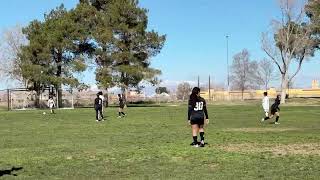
258 94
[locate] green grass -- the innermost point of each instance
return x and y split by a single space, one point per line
153 143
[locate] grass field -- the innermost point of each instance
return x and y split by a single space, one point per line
153 143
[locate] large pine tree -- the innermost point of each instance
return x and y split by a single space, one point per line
58 49
125 44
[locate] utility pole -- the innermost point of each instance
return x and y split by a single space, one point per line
9 98
228 77
209 88
198 81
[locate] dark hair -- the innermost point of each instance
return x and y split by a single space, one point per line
265 93
278 97
119 95
194 96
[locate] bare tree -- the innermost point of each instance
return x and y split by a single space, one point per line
183 91
12 40
266 73
243 72
289 41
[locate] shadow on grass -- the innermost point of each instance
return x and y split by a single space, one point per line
10 171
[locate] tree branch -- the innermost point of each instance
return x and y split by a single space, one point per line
273 59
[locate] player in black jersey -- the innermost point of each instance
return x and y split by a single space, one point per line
197 114
121 106
98 107
275 110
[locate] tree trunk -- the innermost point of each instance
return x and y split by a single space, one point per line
266 87
59 73
284 85
242 94
59 92
37 102
58 88
125 93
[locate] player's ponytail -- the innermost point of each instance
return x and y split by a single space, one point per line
194 96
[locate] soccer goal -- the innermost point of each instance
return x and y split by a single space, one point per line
24 99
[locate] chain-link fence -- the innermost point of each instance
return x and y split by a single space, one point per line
4 99
22 99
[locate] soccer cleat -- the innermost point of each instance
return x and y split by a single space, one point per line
194 144
119 117
262 120
276 123
97 120
202 144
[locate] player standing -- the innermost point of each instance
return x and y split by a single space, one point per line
121 106
102 98
197 113
265 106
98 107
275 110
51 104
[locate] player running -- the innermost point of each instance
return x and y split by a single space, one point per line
275 110
121 106
265 106
197 113
98 107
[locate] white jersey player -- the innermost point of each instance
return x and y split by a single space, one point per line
265 104
51 104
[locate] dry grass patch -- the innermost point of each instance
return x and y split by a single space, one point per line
262 129
279 149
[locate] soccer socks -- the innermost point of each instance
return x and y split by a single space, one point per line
266 118
119 113
277 118
123 113
195 139
202 136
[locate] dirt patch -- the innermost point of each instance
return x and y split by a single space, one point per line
262 129
281 149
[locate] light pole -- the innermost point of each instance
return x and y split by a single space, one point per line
228 77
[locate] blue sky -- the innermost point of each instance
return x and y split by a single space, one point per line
196 30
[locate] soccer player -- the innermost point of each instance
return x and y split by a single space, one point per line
51 104
265 106
197 113
98 108
101 97
121 106
275 110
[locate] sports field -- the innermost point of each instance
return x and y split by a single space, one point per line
153 143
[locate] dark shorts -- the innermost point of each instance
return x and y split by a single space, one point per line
273 111
98 108
197 120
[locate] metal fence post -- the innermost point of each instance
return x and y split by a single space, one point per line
8 95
